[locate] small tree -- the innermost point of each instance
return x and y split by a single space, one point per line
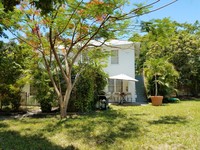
160 73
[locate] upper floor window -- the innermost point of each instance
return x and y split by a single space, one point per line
114 57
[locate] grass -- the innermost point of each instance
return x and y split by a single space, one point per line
167 127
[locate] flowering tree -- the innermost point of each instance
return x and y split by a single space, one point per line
61 34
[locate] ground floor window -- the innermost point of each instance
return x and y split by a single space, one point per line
119 86
111 85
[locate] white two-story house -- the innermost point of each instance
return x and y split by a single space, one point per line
121 61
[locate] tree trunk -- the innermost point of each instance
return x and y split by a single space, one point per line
63 110
156 86
64 102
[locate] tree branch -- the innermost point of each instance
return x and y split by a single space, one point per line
123 17
52 46
84 45
73 13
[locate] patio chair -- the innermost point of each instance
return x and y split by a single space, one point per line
116 96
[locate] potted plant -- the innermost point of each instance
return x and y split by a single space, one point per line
159 73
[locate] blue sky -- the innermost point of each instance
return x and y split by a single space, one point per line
180 11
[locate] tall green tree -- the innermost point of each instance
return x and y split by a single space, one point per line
179 43
156 38
186 50
63 33
14 61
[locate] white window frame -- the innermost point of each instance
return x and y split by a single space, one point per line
114 56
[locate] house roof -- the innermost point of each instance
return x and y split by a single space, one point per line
107 43
113 43
110 42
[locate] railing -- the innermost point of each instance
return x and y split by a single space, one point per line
28 100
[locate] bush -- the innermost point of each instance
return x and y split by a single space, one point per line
10 95
44 91
85 93
46 105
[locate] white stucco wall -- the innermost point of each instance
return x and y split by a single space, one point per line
126 65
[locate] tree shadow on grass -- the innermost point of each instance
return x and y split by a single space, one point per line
3 125
170 120
102 128
13 140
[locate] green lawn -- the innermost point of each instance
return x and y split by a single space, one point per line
167 127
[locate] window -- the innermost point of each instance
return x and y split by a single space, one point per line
119 86
114 57
111 85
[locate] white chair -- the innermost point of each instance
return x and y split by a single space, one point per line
116 96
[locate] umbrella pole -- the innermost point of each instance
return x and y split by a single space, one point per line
121 86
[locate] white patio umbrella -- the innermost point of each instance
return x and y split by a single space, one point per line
123 77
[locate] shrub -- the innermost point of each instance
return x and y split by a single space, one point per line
85 93
10 95
45 105
44 91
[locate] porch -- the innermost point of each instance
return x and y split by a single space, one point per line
120 89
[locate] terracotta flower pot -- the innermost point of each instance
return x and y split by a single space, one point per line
156 100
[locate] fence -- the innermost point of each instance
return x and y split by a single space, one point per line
28 100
